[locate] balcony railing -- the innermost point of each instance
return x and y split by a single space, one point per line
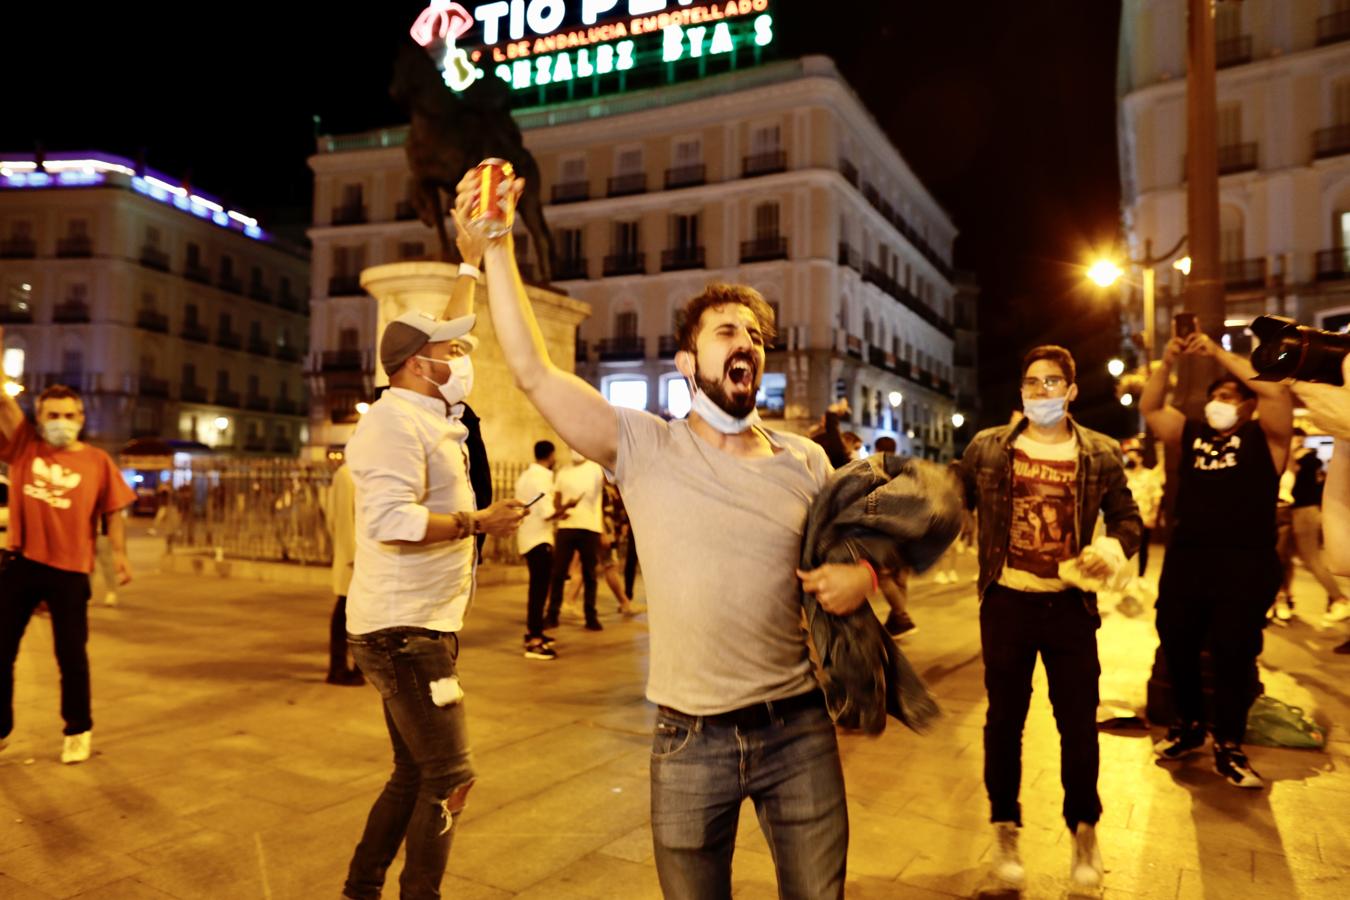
150 320
70 312
874 274
74 247
255 443
257 403
154 258
230 340
682 258
259 347
344 285
764 163
667 346
622 348
877 357
1332 141
1334 264
349 214
625 264
850 256
227 397
260 292
849 171
150 386
195 332
1333 28
231 283
287 353
1244 273
282 445
285 406
197 272
764 248
1233 51
1237 158
342 360
192 393
623 185
13 315
571 192
404 211
853 346
565 269
18 248
686 176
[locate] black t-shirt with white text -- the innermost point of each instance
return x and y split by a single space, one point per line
1228 488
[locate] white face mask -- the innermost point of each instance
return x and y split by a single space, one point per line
457 387
60 432
1045 412
717 417
1221 416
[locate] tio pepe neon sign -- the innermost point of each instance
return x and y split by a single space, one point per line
556 54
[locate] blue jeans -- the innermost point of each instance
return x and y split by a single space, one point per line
704 767
422 800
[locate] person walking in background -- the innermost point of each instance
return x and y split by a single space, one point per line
106 564
578 501
534 541
1146 485
340 517
1305 528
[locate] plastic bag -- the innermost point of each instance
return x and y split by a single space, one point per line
1274 723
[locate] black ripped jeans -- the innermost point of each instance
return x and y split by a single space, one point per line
421 802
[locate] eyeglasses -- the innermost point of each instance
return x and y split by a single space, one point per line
1049 382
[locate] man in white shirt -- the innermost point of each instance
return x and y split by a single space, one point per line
534 540
578 497
411 585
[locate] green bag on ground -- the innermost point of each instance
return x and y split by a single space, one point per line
1273 723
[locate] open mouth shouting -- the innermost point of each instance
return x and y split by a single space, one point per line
740 371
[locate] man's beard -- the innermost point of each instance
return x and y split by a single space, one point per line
740 406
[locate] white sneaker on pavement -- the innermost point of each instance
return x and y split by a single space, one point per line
1085 867
76 748
1339 612
110 598
1007 861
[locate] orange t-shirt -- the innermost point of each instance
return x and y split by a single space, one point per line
57 498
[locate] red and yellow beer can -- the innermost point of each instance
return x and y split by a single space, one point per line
493 214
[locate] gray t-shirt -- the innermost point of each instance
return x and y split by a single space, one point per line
719 537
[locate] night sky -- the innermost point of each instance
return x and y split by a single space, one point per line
1005 110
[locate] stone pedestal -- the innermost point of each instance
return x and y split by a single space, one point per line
510 424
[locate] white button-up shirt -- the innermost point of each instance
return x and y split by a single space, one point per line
407 461
535 529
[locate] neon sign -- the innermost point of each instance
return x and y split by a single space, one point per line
527 44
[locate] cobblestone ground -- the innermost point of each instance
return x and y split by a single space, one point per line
225 767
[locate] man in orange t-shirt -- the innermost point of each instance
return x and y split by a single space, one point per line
61 490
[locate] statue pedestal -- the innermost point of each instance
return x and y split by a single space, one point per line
511 425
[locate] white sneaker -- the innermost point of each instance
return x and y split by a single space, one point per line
1007 861
110 598
1085 866
76 748
1339 612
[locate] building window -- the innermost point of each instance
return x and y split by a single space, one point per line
194 255
21 230
189 375
765 139
573 170
352 196
626 239
688 152
771 398
569 244
152 236
148 301
190 314
222 380
1230 120
626 325
77 228
867 327
684 231
676 391
766 221
349 339
629 161
627 392
72 365
253 386
1231 243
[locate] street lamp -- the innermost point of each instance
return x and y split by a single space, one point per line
222 423
362 408
1099 271
1104 273
896 398
958 420
1127 400
1183 265
1116 367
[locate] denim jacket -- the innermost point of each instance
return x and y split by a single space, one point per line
894 512
986 470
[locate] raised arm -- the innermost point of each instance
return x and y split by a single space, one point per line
470 244
1274 402
1165 421
581 416
11 416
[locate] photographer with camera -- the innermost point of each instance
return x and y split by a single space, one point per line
1221 570
1329 406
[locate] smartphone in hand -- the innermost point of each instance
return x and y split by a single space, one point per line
537 498
1183 325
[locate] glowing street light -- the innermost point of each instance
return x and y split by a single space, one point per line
362 408
1183 265
1116 367
1104 273
222 423
13 388
1127 400
896 398
958 420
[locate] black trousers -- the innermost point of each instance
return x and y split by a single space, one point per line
630 565
539 562
23 585
567 542
1215 598
1014 627
1143 550
337 640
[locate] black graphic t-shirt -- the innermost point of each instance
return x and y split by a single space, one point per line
1228 488
1044 503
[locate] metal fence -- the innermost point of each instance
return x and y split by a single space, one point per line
274 510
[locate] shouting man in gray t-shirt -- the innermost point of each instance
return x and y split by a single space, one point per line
718 504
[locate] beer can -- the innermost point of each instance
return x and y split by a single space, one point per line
493 214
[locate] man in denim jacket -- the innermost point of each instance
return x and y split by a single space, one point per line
1039 485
